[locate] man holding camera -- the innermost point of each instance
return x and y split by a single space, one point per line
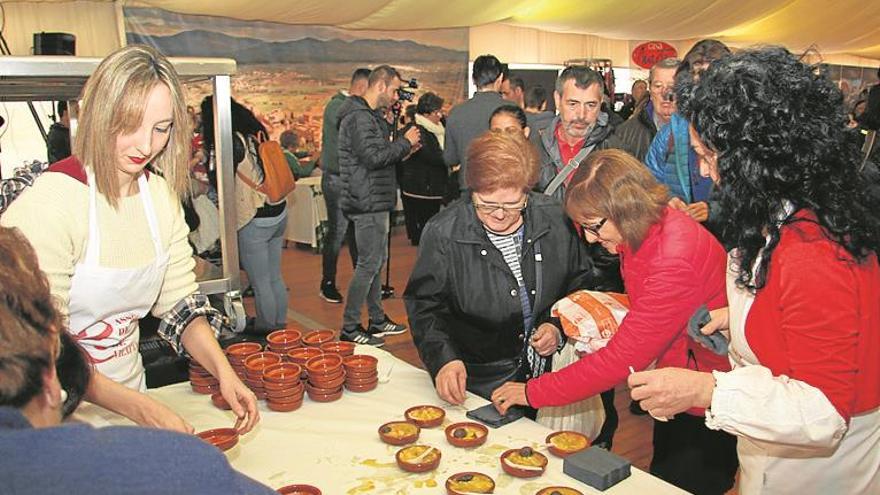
367 160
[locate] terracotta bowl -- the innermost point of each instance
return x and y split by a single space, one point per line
282 387
325 397
565 443
325 376
218 401
284 406
509 465
361 381
360 363
284 338
282 373
242 350
285 395
331 383
324 364
318 337
299 490
468 483
428 463
558 490
362 388
256 363
302 354
399 432
222 438
467 434
315 390
425 416
364 377
204 382
344 349
201 389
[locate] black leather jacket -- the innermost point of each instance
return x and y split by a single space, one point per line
462 298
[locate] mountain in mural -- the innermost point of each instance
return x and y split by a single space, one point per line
199 43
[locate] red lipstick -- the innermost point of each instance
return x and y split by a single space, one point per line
137 160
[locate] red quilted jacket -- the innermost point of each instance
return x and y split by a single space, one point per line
678 267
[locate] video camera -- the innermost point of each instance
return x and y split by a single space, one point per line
405 93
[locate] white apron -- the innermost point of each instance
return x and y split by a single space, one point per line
775 468
106 303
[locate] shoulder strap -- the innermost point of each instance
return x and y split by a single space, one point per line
568 170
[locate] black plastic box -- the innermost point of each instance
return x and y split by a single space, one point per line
597 467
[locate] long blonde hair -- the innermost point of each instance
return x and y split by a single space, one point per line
113 103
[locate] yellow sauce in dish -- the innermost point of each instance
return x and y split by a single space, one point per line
534 460
560 490
470 433
401 430
569 442
410 453
425 413
480 483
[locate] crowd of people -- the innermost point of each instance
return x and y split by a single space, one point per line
732 186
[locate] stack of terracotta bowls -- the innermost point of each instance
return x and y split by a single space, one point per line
318 337
201 381
361 373
344 349
326 377
302 354
237 353
255 364
281 341
284 388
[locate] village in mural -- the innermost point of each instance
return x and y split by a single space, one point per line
287 73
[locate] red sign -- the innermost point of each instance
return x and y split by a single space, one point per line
648 54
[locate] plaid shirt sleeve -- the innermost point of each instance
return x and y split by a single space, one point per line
22 178
189 308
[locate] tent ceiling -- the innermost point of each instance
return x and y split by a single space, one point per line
842 26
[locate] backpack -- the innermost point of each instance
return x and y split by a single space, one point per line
278 180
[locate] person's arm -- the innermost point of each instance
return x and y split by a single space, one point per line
655 319
426 298
369 144
451 152
138 407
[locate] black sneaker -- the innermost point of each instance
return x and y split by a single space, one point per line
359 336
329 292
387 327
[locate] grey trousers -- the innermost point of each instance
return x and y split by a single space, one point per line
371 233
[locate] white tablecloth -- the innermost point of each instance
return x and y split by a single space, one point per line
305 212
335 446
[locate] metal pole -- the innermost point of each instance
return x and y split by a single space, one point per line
225 180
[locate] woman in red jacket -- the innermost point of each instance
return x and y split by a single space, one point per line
671 266
804 283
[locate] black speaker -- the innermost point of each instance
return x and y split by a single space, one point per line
54 44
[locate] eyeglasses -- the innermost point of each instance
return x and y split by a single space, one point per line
595 228
506 210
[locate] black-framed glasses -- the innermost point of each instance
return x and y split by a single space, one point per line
506 210
595 228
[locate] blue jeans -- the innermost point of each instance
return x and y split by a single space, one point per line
259 245
371 233
338 229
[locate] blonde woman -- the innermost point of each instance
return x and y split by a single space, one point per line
110 236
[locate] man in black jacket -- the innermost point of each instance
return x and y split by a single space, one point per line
367 160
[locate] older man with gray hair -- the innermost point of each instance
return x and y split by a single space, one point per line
637 133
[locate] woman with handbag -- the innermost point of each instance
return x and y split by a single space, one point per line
261 222
489 268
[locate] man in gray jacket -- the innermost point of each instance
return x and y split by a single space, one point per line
367 160
469 119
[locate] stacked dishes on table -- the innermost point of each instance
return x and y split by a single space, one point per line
237 353
302 354
361 373
201 381
318 337
344 349
326 377
282 341
255 364
284 388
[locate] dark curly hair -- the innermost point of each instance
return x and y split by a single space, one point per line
778 127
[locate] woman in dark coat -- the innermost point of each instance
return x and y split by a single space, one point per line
489 268
423 175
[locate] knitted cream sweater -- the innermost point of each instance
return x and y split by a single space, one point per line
54 215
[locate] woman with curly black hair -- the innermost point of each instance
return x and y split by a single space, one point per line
803 282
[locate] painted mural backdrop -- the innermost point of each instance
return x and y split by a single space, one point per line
286 73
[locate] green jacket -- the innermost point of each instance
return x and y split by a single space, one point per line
330 135
298 169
